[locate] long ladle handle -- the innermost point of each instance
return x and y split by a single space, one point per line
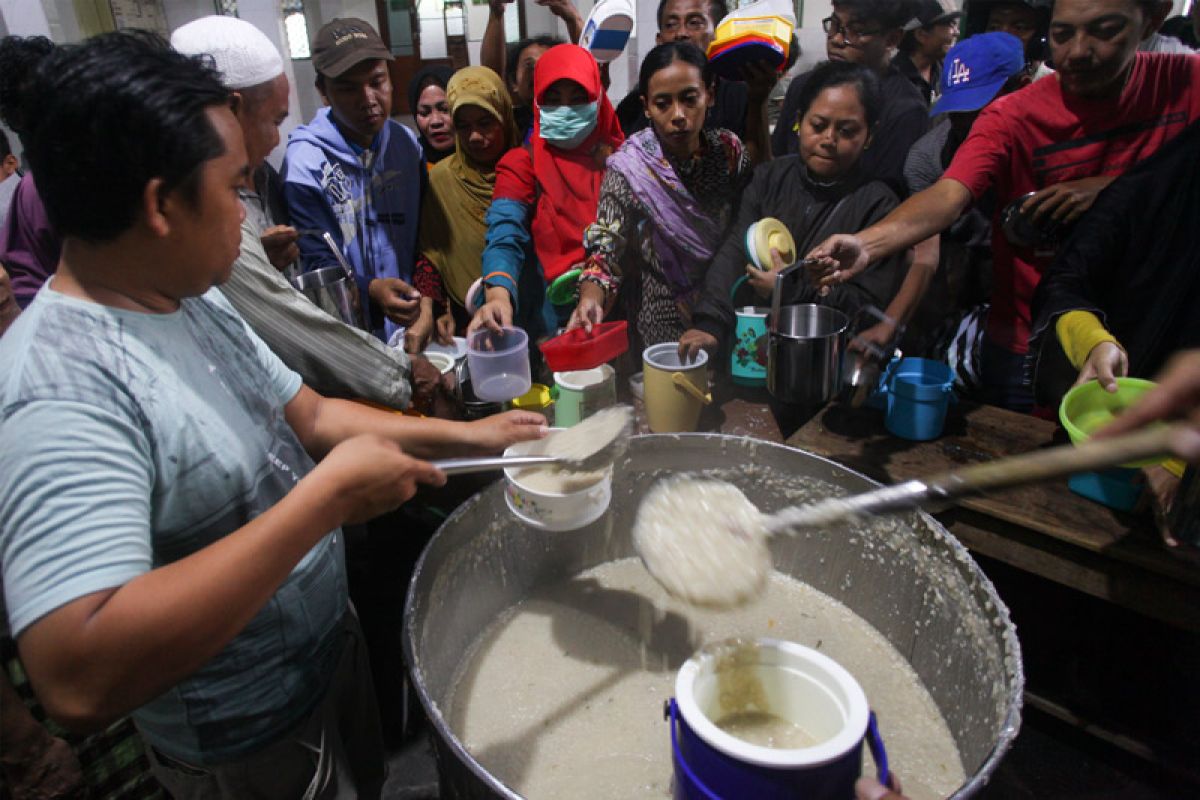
1057 462
461 466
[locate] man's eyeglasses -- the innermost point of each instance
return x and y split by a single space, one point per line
851 34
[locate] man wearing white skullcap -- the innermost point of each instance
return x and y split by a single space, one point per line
243 54
251 66
332 357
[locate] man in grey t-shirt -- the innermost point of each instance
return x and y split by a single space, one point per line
171 494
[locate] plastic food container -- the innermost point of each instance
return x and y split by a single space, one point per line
918 395
577 349
1118 487
537 399
549 510
456 350
792 682
582 393
499 364
765 234
608 29
443 361
1089 407
730 61
753 33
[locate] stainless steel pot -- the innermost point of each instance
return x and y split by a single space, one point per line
805 345
916 584
334 291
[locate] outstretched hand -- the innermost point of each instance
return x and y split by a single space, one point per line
495 314
444 328
493 434
563 9
836 260
870 789
279 243
1105 363
589 310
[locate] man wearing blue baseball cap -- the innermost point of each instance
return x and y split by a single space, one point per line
1054 146
949 271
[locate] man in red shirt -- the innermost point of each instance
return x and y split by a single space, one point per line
1063 138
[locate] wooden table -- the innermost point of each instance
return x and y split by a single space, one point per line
1046 529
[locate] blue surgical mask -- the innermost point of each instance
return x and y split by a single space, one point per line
567 126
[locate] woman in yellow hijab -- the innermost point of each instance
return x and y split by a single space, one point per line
460 190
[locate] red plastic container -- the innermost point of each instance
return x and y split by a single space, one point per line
578 349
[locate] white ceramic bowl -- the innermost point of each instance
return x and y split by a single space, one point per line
554 511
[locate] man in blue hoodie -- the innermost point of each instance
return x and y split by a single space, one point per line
357 174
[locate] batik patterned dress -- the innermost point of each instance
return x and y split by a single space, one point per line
658 222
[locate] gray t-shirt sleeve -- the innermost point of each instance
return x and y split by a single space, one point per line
331 357
74 506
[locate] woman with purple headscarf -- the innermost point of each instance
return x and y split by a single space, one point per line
666 200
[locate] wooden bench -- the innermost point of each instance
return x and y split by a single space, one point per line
1045 529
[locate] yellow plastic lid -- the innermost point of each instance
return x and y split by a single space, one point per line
537 397
769 233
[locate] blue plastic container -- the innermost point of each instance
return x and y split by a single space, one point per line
1118 487
918 396
799 684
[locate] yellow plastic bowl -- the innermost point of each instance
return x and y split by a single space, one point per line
1089 407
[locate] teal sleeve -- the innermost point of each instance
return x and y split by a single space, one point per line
509 245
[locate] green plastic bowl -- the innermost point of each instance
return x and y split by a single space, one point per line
1089 407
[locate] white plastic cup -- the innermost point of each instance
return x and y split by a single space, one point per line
499 364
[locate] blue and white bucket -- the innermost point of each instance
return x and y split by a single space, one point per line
799 685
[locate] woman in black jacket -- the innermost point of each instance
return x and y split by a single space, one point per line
816 193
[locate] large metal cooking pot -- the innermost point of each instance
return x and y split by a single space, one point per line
921 590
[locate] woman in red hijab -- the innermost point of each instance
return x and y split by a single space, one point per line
546 193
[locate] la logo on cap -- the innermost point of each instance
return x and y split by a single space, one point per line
960 73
